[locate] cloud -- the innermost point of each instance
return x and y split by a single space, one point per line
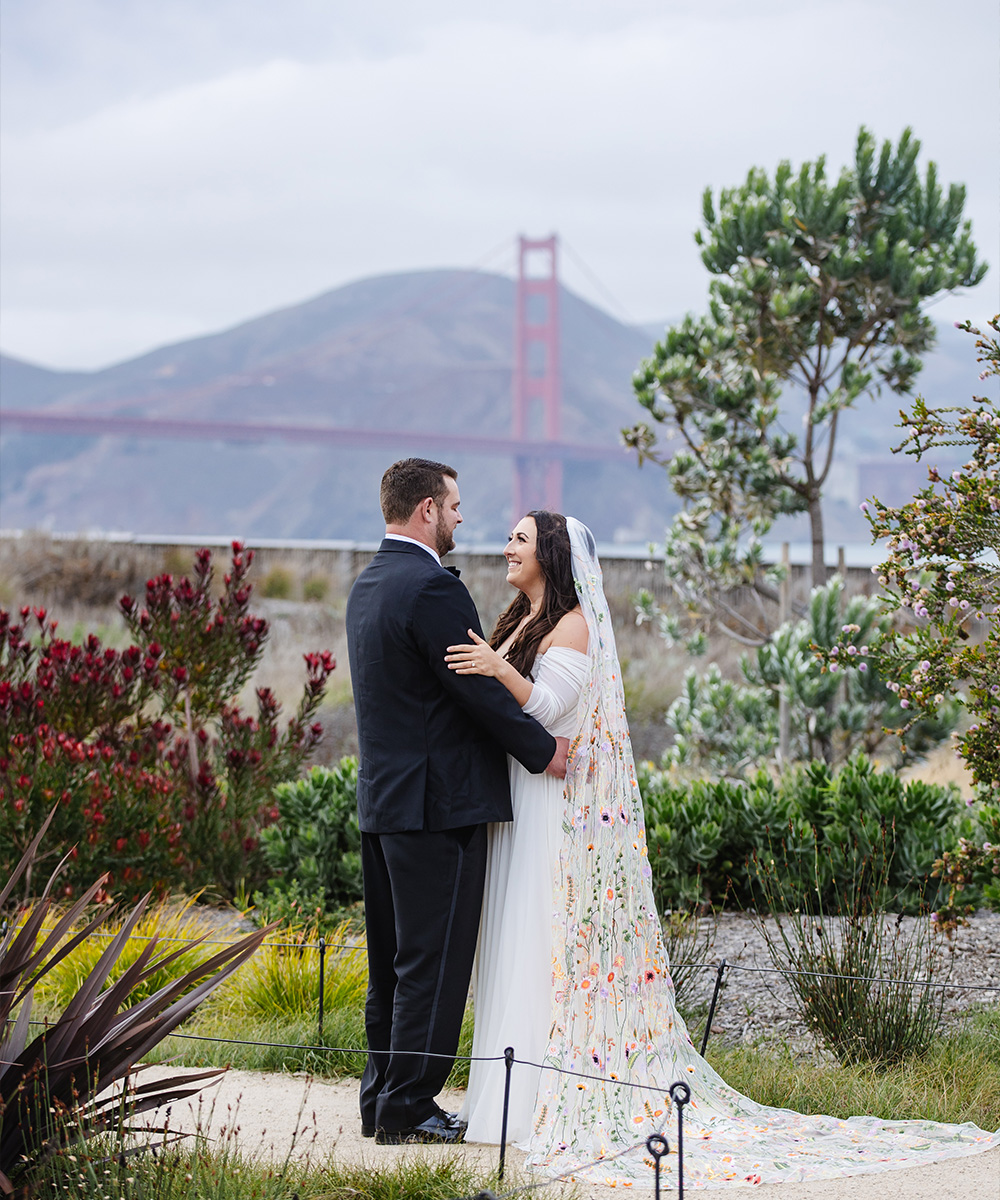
220 162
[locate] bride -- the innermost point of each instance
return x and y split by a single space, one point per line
571 969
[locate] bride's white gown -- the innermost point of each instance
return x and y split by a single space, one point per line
512 980
571 971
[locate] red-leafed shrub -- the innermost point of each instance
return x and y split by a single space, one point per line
162 780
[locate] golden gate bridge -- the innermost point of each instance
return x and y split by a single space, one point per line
536 446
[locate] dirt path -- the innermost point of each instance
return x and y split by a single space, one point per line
271 1113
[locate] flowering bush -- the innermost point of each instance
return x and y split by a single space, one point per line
941 579
161 779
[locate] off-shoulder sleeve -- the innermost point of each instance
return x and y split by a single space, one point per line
561 673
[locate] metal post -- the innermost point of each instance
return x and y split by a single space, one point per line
680 1093
508 1062
784 610
657 1145
711 1007
322 981
536 381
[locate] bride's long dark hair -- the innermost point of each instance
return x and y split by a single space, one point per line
556 563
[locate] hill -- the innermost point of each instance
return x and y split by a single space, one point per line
423 351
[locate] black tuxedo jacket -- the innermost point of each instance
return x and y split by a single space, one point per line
432 742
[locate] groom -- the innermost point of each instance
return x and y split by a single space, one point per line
432 773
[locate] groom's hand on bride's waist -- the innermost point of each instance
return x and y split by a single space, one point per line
557 766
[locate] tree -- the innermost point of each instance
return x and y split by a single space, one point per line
816 285
724 728
941 579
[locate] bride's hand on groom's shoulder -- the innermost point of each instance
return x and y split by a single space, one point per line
475 658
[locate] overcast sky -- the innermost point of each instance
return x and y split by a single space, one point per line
172 167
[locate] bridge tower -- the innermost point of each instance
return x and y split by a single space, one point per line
537 383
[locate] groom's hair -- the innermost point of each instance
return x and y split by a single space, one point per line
408 482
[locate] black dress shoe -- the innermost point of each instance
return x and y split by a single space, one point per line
367 1130
435 1129
453 1119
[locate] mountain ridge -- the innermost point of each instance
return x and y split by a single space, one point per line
427 351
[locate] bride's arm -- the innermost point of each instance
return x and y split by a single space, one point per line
479 658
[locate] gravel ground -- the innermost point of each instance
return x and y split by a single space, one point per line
755 1005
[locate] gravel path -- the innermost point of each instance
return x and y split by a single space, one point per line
756 1005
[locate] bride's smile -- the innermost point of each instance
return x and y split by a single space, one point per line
523 569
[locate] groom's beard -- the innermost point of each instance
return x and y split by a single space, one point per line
443 541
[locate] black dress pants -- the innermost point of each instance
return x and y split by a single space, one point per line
423 896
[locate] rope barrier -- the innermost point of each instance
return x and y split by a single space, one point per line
968 987
325 947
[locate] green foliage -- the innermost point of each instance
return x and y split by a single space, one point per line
288 904
216 1169
283 1043
818 823
973 868
817 285
428 1179
161 779
722 727
210 1171
54 1086
169 922
277 584
282 982
315 844
942 582
842 968
942 568
316 587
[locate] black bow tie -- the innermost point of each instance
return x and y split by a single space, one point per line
454 571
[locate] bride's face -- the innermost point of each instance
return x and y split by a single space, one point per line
523 571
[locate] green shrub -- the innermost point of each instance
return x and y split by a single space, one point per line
315 844
723 727
277 584
316 588
972 870
702 836
843 969
287 903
